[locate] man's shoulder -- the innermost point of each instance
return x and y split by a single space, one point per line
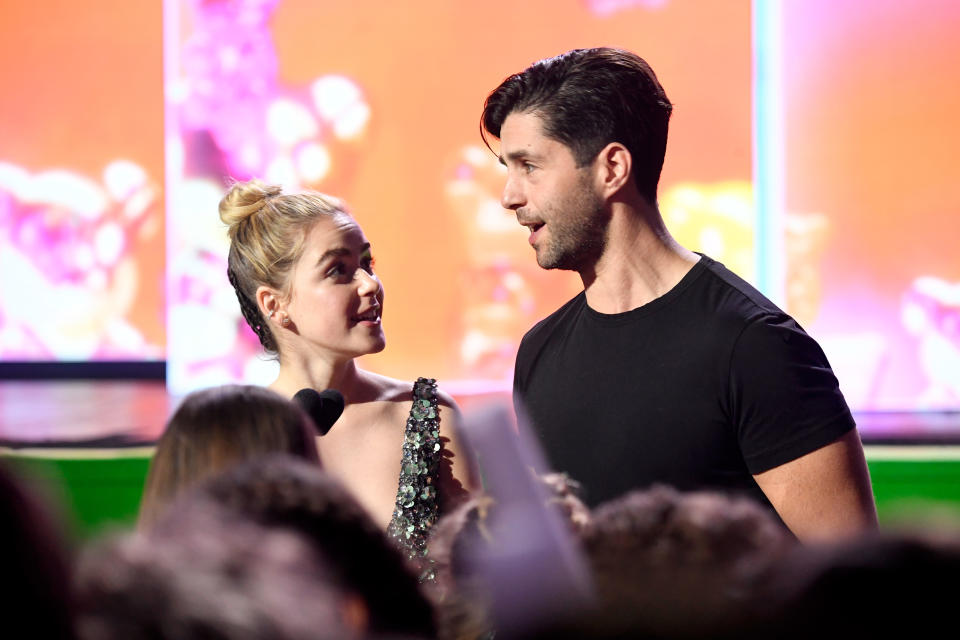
734 299
560 317
541 332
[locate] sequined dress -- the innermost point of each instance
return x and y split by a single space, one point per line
416 508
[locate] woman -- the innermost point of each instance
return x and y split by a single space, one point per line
303 273
216 428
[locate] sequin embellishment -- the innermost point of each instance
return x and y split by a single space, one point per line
416 508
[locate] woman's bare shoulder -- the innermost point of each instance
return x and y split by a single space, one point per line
400 392
388 389
446 401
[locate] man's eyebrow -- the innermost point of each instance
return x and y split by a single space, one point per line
517 156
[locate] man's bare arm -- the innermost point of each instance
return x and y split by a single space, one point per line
825 494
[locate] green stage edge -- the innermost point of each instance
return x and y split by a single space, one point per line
91 492
95 491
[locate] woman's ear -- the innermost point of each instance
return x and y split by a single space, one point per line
268 301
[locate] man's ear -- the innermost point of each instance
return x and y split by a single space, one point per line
268 301
614 168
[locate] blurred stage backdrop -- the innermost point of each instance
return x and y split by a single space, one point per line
811 150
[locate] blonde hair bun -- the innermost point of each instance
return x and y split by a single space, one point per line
245 199
268 231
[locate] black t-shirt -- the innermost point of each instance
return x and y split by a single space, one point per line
699 389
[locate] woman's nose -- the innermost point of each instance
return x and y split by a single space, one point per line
369 283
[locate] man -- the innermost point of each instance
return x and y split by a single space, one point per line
667 368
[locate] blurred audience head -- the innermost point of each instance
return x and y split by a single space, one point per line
34 578
885 584
672 564
281 492
461 596
216 428
214 576
461 599
665 527
564 492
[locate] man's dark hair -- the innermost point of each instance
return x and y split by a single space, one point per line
588 98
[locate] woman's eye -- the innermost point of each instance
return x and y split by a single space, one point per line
336 270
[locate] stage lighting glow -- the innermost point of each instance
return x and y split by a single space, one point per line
339 100
109 243
289 122
313 162
122 178
334 95
282 171
352 121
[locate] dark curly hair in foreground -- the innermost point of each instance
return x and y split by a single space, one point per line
280 491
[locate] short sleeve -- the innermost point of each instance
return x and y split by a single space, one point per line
784 399
518 379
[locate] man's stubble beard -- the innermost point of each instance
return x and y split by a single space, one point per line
578 236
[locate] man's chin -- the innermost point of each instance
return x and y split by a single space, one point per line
550 261
545 261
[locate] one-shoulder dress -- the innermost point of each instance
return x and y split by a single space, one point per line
416 509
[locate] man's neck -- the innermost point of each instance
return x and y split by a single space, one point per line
641 262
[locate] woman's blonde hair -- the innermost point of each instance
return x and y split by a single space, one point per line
267 230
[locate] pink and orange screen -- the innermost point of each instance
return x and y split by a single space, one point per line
871 101
127 119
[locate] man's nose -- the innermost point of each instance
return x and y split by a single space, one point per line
513 197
